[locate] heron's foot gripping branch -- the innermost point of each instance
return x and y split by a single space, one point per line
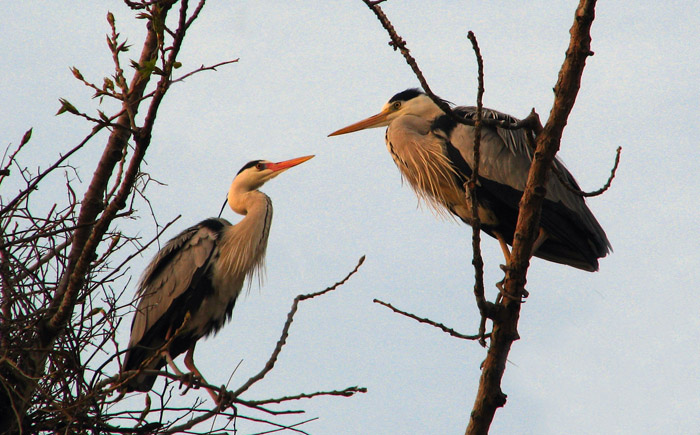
190 381
503 294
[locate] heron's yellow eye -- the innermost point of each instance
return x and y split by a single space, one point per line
397 105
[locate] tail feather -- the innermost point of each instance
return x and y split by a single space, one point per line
133 361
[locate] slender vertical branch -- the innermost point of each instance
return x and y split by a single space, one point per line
489 395
477 260
92 205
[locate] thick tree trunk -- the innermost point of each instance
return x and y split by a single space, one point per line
26 372
505 328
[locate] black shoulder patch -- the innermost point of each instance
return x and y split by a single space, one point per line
447 124
406 95
213 224
443 123
249 165
464 172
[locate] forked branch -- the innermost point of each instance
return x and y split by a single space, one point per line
440 326
285 331
489 395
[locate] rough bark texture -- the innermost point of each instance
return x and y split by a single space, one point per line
505 329
85 240
59 305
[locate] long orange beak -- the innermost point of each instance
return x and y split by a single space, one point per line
373 121
283 166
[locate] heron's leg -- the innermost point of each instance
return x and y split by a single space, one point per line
171 363
166 354
506 255
183 376
189 379
541 237
189 362
504 247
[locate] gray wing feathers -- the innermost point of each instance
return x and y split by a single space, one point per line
169 275
506 158
514 140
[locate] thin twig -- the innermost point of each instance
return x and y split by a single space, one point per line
57 163
598 192
347 392
280 427
203 68
398 43
450 331
45 258
53 232
144 247
285 330
5 171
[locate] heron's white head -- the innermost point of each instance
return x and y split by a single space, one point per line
409 102
253 175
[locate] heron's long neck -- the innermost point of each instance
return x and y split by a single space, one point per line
423 162
243 245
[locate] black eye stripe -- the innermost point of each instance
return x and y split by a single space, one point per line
249 165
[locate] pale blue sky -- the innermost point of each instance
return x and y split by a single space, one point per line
610 352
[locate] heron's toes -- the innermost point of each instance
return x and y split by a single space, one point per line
224 398
189 381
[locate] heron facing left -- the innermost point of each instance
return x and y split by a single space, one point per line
190 287
435 154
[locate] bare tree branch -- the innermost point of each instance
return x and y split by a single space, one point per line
285 330
477 260
204 68
444 328
347 392
598 192
489 395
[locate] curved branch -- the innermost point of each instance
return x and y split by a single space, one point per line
598 192
444 328
285 330
203 68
